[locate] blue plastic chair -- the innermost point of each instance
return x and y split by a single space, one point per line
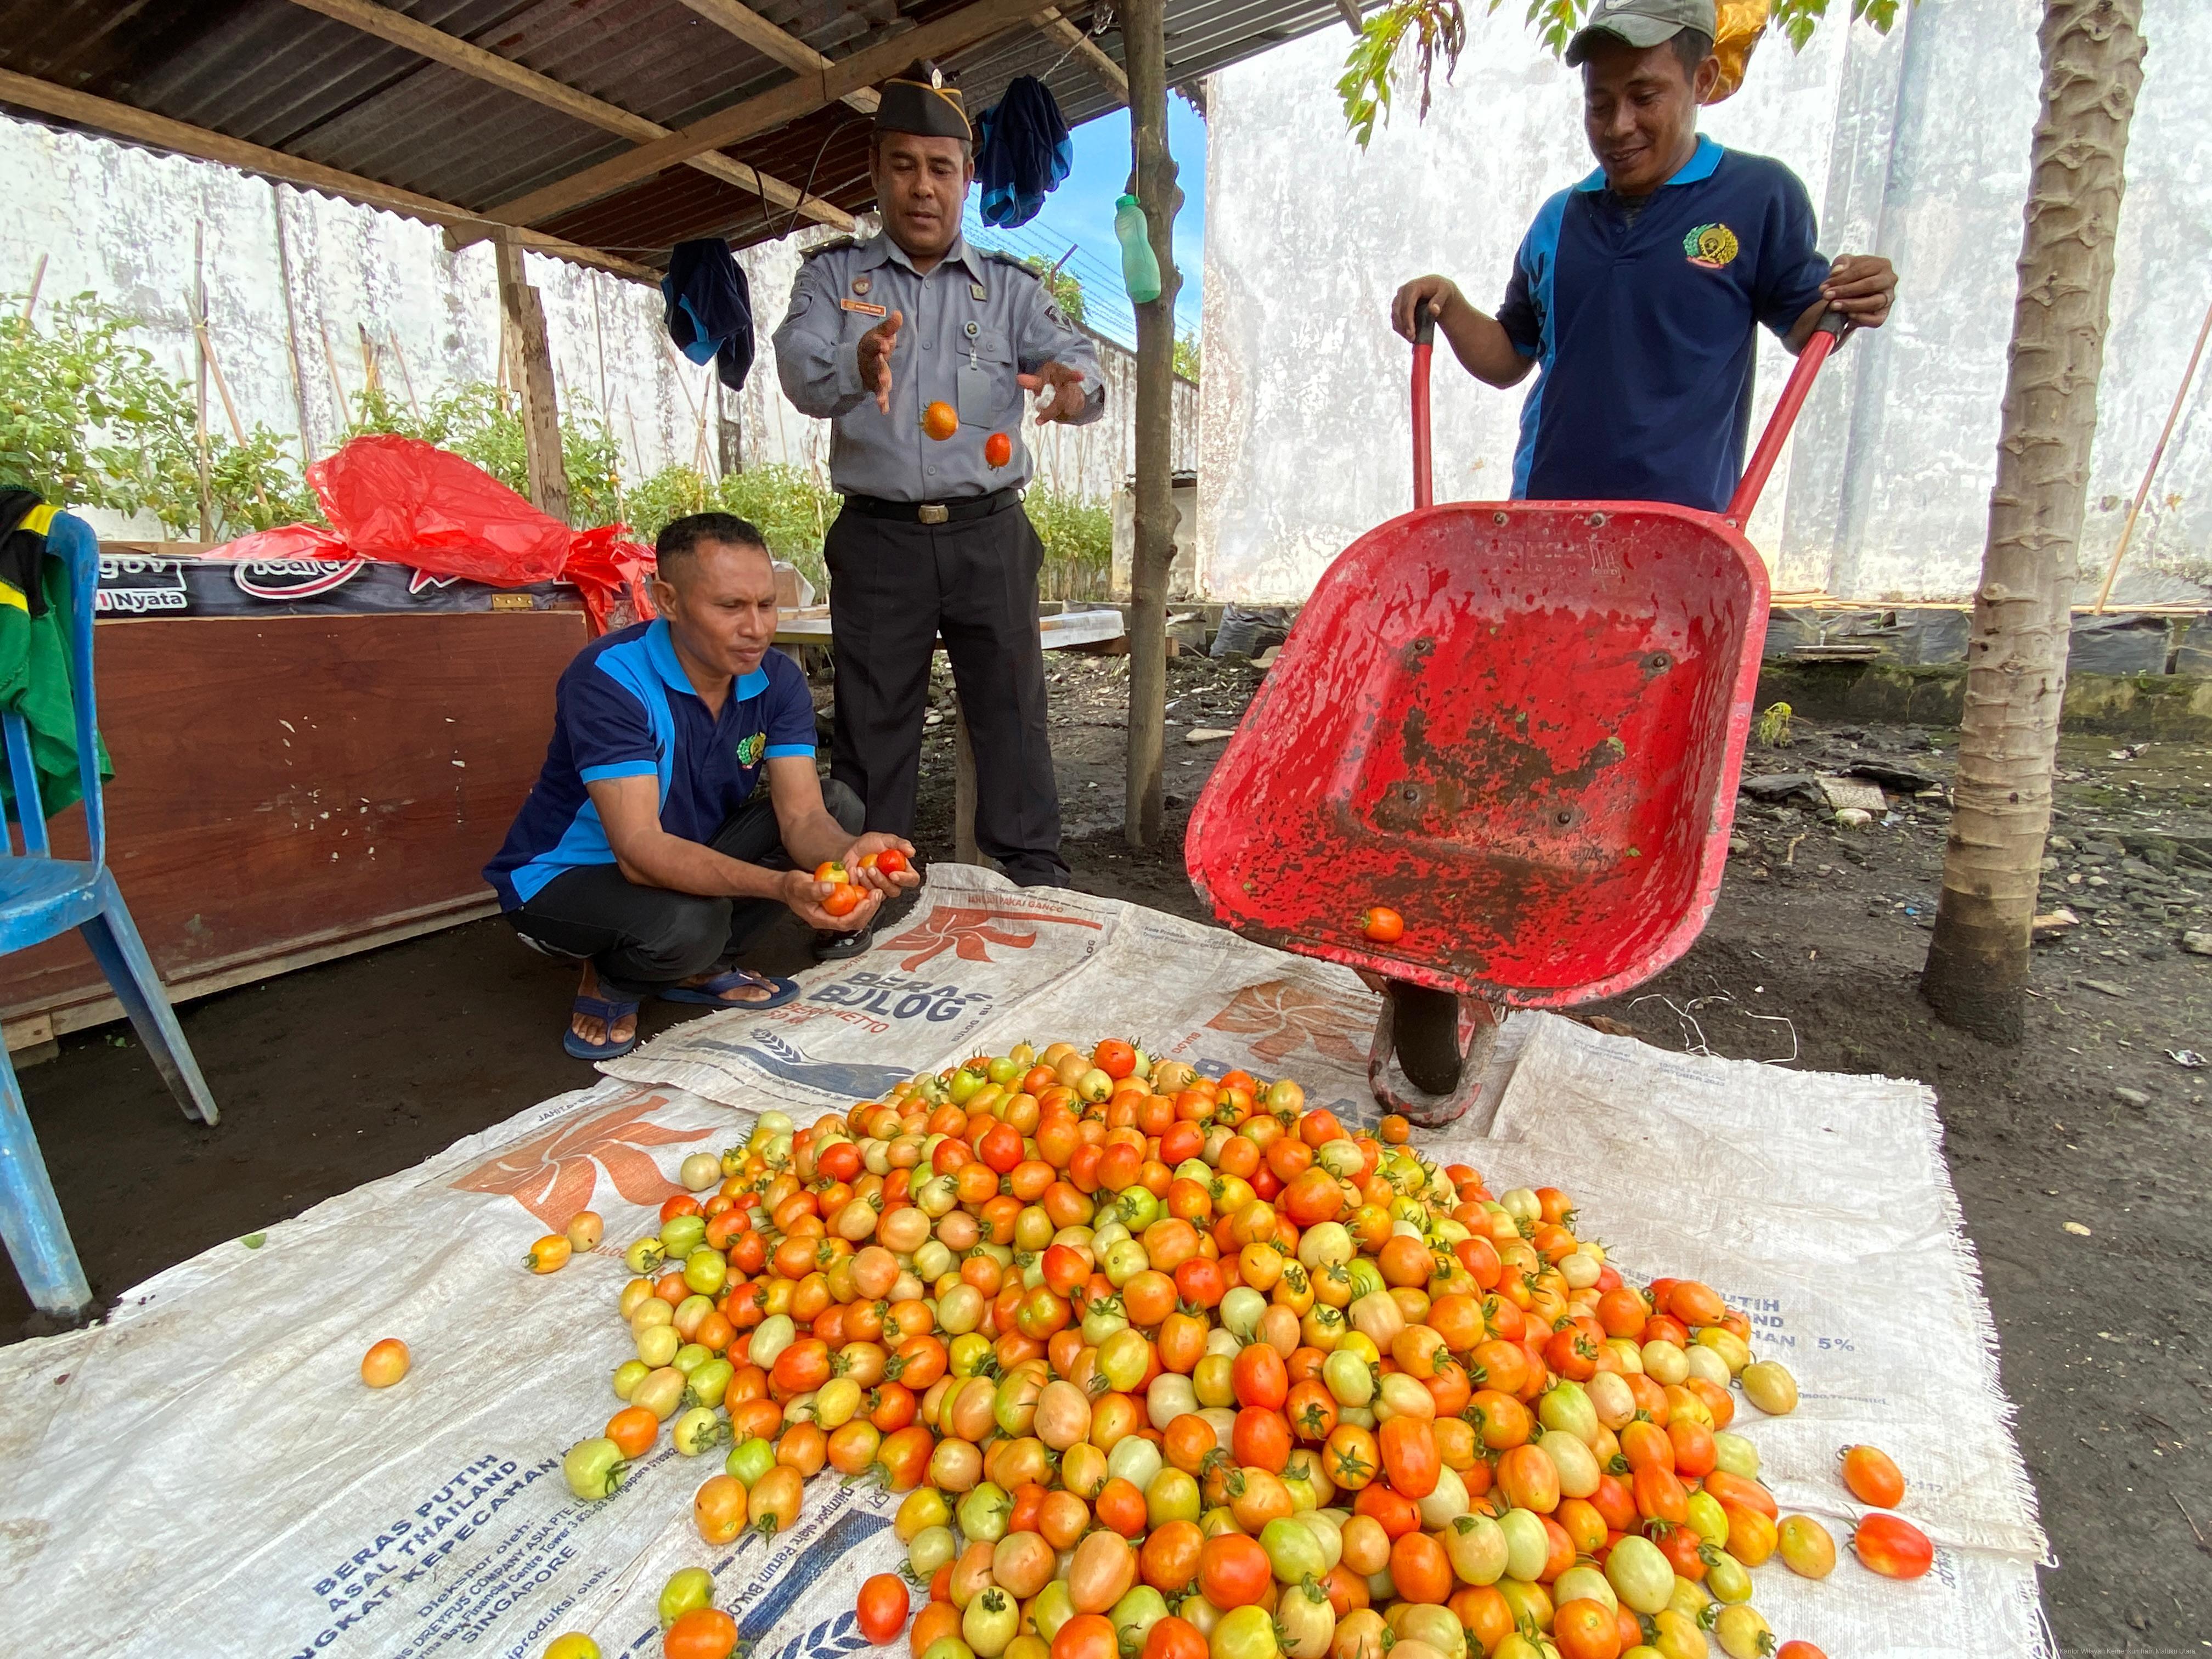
41 895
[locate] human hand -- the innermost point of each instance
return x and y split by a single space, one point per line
874 876
1860 285
803 894
874 352
1063 396
1441 293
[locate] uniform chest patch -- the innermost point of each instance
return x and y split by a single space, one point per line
750 749
1711 246
862 306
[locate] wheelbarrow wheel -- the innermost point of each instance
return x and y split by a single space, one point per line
1425 1023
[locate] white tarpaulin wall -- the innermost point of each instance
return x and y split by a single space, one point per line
204 1474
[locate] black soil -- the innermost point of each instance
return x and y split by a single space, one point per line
2097 1120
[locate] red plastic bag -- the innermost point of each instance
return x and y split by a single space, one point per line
412 503
289 541
611 571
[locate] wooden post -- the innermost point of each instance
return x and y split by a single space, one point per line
1143 42
524 318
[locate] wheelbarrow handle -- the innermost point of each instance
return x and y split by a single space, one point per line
1424 340
1827 334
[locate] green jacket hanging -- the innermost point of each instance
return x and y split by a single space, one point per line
35 653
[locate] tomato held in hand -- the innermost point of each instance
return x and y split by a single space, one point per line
844 898
892 862
940 421
831 870
998 449
1383 925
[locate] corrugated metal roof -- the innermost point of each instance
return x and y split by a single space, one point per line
274 74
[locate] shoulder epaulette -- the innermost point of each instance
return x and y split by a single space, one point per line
831 246
1007 259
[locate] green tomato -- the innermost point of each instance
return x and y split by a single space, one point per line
749 1460
932 1548
1728 1578
698 1431
645 1256
1124 1258
1566 1407
1708 1519
948 1647
964 1355
1243 1633
680 1235
690 1357
1477 1547
1103 1319
1173 1496
1134 1615
1641 1576
686 1591
1135 1459
1743 1633
1240 1314
1293 1551
1366 1277
594 1469
990 1621
1004 1070
706 1270
1527 1545
770 1338
710 1381
983 1513
1051 1609
1347 1378
1736 1455
1136 1208
627 1376
1578 1583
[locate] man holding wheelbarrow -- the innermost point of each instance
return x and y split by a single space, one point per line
1639 290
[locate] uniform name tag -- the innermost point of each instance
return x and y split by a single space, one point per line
863 307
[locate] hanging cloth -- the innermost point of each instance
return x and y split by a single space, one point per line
1025 152
710 308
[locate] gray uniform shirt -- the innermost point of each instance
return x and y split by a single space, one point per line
968 327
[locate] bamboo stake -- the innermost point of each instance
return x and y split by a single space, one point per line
200 410
406 379
222 388
291 330
2158 454
371 380
37 281
338 386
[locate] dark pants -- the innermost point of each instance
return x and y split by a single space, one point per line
894 589
642 937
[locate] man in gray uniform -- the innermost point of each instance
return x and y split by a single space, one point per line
918 349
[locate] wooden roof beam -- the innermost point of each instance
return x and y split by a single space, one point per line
143 126
1077 39
799 96
473 60
766 38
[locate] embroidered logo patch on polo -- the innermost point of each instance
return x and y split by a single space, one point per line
749 748
1711 246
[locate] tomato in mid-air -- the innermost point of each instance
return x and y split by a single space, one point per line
998 449
1383 925
940 421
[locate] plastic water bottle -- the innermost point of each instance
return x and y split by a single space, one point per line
1140 271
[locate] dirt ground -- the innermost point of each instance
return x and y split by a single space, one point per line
2079 1156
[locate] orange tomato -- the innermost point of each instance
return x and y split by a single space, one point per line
1873 1477
1893 1547
883 1607
1419 1567
1382 924
998 450
634 1429
1169 1558
940 421
1584 1629
1233 1570
718 1510
1087 1636
702 1633
1120 1506
1409 1457
1174 1639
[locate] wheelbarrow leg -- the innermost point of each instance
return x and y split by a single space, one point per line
1441 1043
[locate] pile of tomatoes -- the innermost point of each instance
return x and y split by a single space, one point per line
1171 1366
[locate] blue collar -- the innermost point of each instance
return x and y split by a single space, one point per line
660 650
1700 165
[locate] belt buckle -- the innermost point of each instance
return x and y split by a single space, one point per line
932 512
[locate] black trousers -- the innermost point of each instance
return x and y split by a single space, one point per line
642 937
894 589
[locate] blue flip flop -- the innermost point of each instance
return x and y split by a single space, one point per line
711 992
608 1009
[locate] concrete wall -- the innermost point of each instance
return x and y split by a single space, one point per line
1914 145
119 222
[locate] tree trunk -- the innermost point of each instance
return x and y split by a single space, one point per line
1143 43
524 315
1977 972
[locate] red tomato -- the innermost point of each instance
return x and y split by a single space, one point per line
998 450
1893 1547
883 1607
1583 1628
1872 1477
843 900
702 1633
1798 1651
891 861
1383 925
1260 1379
1174 1639
1087 1636
1233 1571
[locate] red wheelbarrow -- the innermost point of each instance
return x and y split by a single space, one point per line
1518 724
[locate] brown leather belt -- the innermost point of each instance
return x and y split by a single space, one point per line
956 511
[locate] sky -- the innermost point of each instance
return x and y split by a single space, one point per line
1081 211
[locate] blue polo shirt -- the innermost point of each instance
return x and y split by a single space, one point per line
1644 329
624 708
